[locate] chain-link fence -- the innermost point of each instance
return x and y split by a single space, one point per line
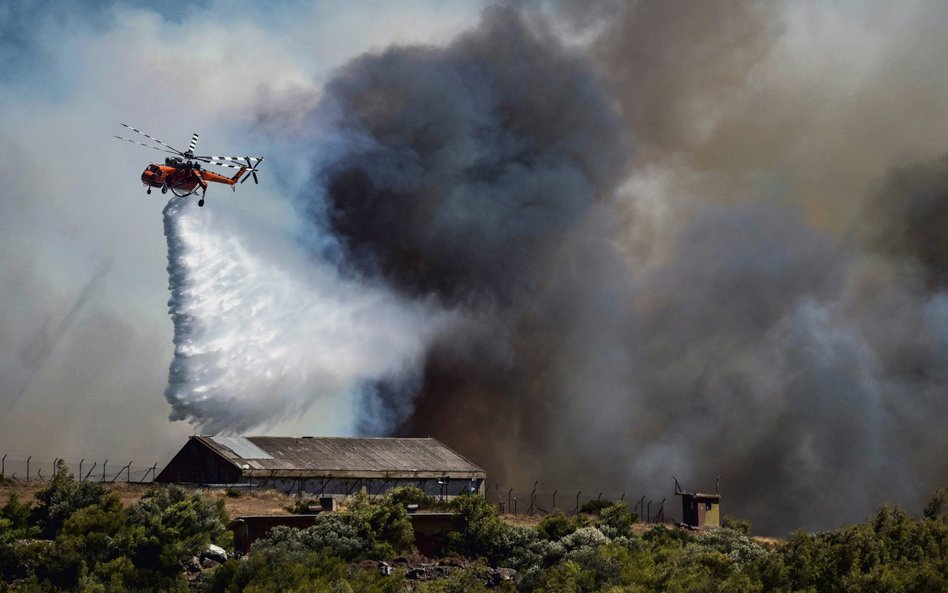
26 468
537 501
543 501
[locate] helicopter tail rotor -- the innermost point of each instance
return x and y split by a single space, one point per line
251 169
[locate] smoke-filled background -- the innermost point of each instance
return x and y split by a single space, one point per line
593 245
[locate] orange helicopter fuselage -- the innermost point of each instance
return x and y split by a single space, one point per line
183 178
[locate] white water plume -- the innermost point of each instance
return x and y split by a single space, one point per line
263 332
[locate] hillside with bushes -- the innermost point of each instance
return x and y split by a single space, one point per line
82 537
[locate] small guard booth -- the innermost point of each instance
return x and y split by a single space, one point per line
699 510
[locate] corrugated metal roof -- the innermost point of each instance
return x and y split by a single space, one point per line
346 454
242 447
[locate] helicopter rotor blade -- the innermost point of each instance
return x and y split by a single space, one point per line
194 141
145 145
176 151
233 159
228 165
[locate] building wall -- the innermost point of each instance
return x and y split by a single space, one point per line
700 511
712 517
249 529
196 464
348 486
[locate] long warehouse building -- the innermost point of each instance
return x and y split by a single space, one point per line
324 466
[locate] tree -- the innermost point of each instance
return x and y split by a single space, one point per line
557 525
168 526
383 523
938 505
741 525
17 513
480 529
61 498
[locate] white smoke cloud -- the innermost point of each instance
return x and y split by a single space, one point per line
263 330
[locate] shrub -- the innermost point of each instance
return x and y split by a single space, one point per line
481 533
594 507
384 524
938 505
168 526
294 573
333 534
557 525
739 525
17 513
413 495
300 506
61 498
616 520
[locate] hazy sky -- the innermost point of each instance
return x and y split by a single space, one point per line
85 336
623 240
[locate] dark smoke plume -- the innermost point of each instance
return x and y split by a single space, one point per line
470 162
907 218
692 308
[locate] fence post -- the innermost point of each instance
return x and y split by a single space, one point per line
55 461
128 473
515 505
649 513
94 463
119 473
533 498
28 468
508 500
152 470
3 465
576 508
103 470
554 500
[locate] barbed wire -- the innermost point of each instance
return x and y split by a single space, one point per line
27 468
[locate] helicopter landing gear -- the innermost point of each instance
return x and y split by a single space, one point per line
201 202
164 189
149 191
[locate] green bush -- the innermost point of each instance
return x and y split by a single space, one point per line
481 532
313 571
938 505
17 513
617 520
384 524
413 495
169 525
740 525
594 507
61 498
333 534
557 525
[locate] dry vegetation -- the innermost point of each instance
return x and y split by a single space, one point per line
261 502
272 502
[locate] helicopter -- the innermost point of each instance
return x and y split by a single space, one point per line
183 174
